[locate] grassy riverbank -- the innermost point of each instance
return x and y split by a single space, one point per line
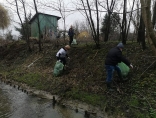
84 80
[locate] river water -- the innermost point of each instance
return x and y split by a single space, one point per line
16 104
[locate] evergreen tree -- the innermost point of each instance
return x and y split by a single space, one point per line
21 31
114 24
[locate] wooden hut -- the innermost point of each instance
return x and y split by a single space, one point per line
48 25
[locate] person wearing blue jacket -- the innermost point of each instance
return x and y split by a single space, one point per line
71 34
114 57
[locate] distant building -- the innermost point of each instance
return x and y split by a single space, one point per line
48 25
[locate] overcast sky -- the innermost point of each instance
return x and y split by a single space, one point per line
70 18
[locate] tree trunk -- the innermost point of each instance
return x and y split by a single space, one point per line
124 23
154 15
141 33
39 30
97 12
129 20
145 5
90 25
27 29
94 32
110 10
22 25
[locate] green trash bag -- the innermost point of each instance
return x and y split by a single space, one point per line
124 69
58 68
74 42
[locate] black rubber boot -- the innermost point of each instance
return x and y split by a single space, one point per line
109 87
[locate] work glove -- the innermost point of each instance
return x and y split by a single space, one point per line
131 65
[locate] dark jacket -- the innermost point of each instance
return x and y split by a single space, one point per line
71 32
115 56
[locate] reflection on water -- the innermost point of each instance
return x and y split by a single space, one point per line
4 105
17 104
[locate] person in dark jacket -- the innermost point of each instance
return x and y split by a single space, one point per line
114 57
71 34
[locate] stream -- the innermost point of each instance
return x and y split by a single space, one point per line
16 104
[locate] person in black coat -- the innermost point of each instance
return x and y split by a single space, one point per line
114 57
71 34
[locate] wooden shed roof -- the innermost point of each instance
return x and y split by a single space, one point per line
43 14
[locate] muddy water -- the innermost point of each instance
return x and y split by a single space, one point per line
17 104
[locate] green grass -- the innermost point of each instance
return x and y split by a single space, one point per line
86 77
93 99
31 78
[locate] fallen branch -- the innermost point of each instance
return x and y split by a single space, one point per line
33 62
147 69
95 54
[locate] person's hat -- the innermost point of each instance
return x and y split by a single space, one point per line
67 47
120 45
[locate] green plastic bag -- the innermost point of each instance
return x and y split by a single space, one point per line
74 42
124 69
58 68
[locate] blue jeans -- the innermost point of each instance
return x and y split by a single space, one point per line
70 40
110 70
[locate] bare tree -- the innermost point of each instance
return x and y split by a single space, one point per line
85 7
111 8
146 13
38 23
110 11
130 18
97 17
124 23
154 15
135 20
26 29
60 7
141 33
